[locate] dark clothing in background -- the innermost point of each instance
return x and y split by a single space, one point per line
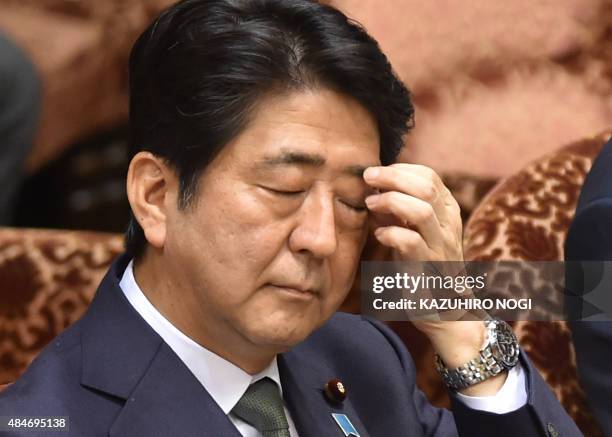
590 239
20 97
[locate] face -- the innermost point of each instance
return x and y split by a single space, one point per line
270 247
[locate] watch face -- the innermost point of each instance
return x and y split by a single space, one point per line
505 348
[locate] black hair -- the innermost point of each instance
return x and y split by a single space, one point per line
197 72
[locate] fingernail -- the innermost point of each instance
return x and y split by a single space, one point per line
371 173
372 201
377 232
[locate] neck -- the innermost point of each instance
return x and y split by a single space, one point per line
177 304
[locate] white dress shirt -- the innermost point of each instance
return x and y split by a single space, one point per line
226 382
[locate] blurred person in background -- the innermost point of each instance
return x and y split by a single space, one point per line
19 111
590 239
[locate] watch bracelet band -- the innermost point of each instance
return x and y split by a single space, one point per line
478 369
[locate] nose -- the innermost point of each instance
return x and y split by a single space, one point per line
315 231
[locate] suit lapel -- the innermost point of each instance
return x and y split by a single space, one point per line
124 357
169 401
303 389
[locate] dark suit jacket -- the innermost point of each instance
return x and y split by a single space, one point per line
590 238
113 375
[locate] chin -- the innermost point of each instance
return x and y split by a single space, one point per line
281 339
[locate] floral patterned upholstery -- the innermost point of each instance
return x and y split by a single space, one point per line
526 217
47 279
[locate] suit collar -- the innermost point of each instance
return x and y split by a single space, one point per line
117 344
124 357
169 401
225 381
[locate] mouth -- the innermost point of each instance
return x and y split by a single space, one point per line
296 291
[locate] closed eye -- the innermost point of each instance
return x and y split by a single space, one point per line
283 192
356 208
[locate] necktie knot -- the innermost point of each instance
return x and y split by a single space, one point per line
262 407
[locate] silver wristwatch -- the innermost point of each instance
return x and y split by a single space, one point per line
499 353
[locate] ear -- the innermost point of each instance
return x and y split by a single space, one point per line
151 190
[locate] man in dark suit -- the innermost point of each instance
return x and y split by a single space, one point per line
590 239
263 139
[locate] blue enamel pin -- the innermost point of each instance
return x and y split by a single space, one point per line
345 425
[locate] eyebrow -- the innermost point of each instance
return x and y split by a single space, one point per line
307 159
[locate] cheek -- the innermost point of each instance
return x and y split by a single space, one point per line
243 241
345 262
231 240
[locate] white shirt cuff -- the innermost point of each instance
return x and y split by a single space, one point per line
512 395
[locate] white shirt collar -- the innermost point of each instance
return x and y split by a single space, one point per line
224 381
